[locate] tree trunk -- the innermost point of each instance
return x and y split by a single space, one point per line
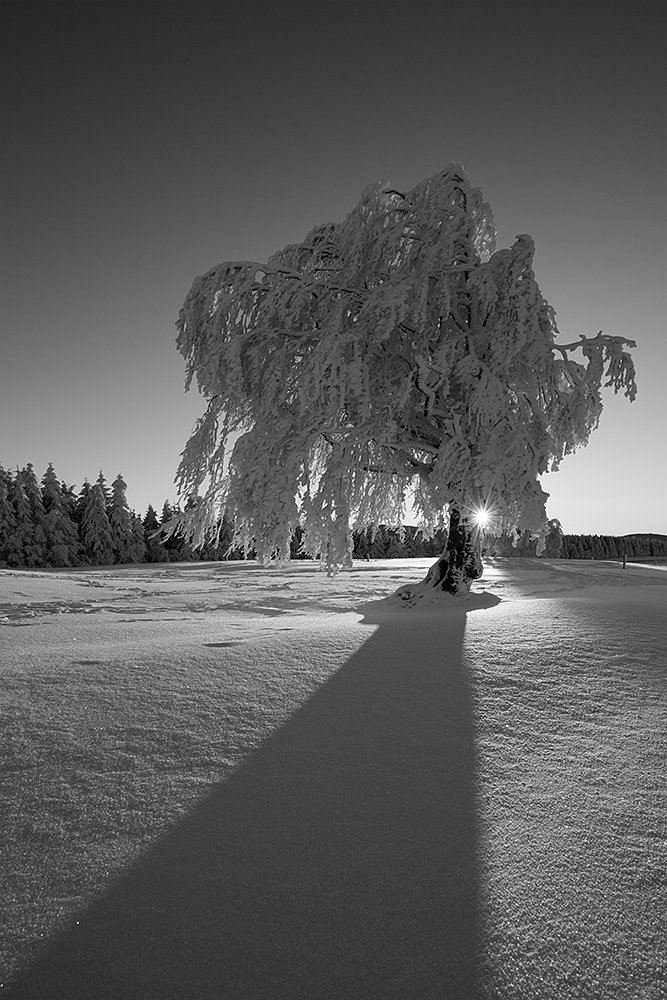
457 567
461 562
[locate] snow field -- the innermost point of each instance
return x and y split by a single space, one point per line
572 746
221 780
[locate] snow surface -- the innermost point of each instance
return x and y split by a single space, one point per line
462 800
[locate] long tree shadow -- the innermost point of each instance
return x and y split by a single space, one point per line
338 861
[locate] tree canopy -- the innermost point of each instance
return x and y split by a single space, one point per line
393 355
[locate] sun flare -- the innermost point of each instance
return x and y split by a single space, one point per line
484 517
481 517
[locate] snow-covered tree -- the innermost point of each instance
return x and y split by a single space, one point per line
38 515
96 535
62 537
106 493
7 516
15 542
170 542
70 500
24 546
393 355
139 549
553 543
156 551
120 520
82 503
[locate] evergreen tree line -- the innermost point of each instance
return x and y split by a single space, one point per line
561 546
50 524
396 543
391 543
612 547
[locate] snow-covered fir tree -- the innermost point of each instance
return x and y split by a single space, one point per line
24 547
22 527
38 514
69 496
363 543
167 513
553 543
394 354
177 545
120 520
139 547
170 543
62 536
96 536
156 552
82 503
106 492
7 515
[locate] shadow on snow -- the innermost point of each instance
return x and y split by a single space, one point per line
338 861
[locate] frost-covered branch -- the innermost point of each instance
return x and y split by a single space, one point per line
602 350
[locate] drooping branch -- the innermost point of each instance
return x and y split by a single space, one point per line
604 349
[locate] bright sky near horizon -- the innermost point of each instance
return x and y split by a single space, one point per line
144 143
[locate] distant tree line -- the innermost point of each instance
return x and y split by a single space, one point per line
641 546
48 523
561 546
394 543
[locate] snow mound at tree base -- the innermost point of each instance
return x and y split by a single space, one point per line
422 594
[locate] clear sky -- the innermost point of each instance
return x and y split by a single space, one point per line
145 142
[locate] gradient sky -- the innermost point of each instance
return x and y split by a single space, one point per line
145 142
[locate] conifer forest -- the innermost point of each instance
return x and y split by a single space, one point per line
48 523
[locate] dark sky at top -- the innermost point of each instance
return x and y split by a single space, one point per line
145 142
